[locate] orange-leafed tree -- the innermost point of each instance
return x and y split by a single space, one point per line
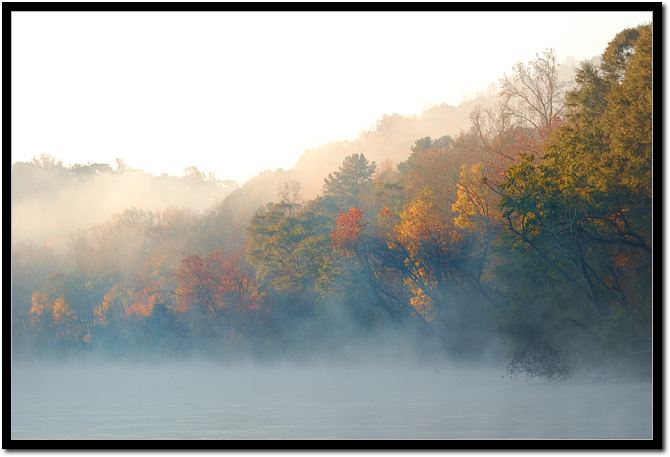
53 318
213 283
348 227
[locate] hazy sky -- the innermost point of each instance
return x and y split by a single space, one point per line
237 93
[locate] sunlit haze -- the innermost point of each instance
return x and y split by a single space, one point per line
371 225
236 93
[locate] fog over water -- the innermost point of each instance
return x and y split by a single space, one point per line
208 401
479 271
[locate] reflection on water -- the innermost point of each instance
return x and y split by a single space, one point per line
211 402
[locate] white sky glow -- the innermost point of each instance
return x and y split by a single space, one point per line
235 93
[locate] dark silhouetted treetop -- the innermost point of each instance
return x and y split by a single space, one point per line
350 182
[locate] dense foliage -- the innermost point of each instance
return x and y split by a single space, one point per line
526 237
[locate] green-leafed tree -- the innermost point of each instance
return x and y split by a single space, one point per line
584 210
350 182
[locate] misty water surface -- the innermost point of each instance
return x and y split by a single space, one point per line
193 401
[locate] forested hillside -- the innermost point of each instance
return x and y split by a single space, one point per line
516 228
50 201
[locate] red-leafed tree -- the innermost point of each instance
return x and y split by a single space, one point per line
348 227
213 283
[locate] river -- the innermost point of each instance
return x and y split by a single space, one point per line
206 401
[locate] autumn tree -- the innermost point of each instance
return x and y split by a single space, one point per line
348 226
429 166
584 210
51 315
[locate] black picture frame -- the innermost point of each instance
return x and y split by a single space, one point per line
614 444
